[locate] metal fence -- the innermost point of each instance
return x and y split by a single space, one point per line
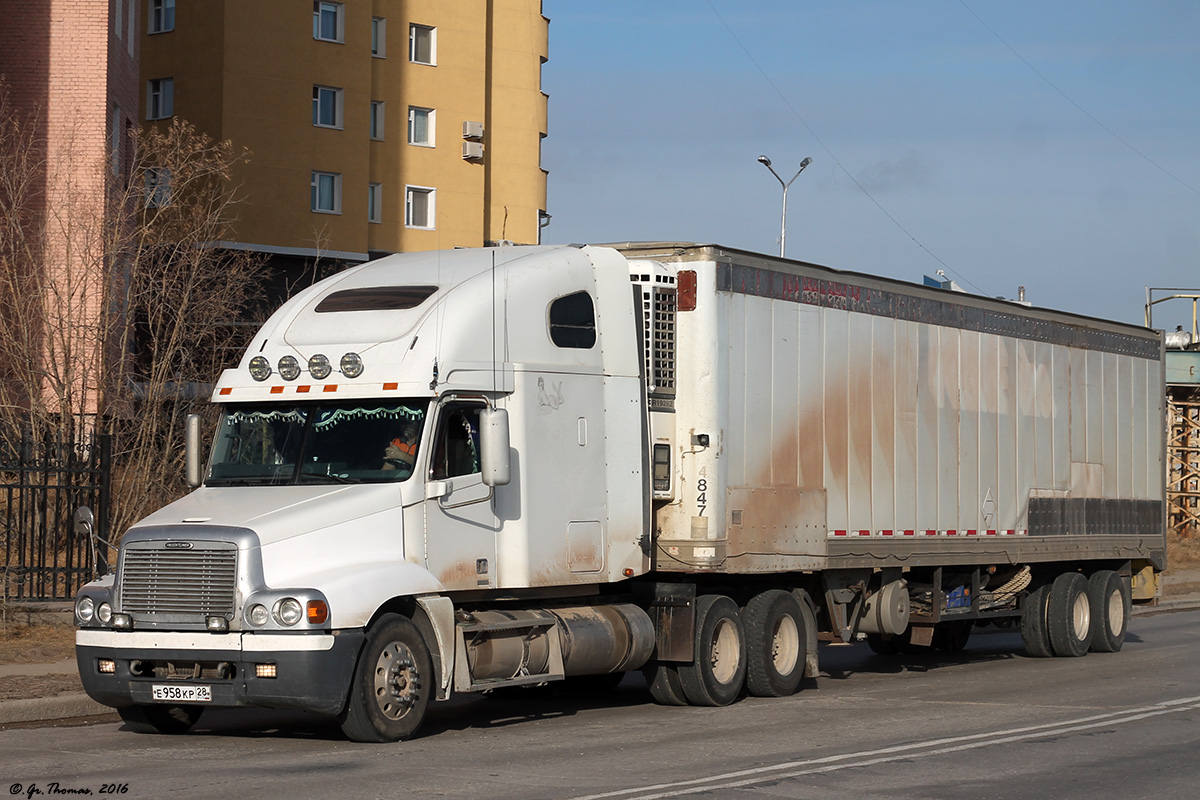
42 484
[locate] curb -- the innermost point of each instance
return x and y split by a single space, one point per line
44 709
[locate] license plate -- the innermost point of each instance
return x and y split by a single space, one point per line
181 694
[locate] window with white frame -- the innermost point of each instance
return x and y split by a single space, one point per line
161 16
160 98
422 44
327 192
327 21
420 126
375 202
377 121
419 207
327 107
379 37
158 187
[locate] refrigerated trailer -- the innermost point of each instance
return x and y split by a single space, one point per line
451 472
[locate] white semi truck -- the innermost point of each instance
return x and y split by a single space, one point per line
459 471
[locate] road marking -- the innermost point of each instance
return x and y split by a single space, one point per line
792 769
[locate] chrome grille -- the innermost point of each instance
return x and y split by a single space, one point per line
157 580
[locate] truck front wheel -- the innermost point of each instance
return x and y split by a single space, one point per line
392 684
716 675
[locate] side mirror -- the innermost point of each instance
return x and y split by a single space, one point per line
191 444
493 441
85 521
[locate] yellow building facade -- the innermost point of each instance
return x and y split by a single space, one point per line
373 126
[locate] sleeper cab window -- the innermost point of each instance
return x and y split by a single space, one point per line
573 321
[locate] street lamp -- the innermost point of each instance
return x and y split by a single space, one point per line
766 162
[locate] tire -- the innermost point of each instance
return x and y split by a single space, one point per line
160 719
392 685
776 644
1069 614
1111 607
716 676
952 636
1034 630
663 680
882 645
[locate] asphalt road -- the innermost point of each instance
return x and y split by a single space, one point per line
987 723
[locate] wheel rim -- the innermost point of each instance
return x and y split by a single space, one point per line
1081 616
725 656
397 684
785 645
1116 612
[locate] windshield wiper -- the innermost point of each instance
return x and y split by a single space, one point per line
322 477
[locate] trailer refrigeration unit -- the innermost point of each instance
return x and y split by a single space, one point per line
459 471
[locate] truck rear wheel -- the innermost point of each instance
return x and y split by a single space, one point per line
1111 605
951 636
160 719
1034 630
392 684
776 644
665 687
716 675
1069 613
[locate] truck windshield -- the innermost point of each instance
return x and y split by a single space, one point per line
318 443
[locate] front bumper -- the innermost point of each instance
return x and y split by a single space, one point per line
313 670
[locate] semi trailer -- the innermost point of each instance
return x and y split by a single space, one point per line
452 472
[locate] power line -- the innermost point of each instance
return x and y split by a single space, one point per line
835 159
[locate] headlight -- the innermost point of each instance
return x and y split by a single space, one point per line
258 615
288 611
319 368
104 613
260 368
352 365
85 609
289 368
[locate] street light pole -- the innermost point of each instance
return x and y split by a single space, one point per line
766 162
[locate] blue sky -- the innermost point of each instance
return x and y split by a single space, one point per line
1054 145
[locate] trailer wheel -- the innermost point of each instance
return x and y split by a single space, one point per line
160 719
776 644
1069 613
392 684
716 675
663 679
1034 630
1111 605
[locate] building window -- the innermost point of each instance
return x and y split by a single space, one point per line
327 107
377 121
419 207
115 142
327 192
162 16
375 202
420 126
378 37
158 187
327 21
422 44
160 98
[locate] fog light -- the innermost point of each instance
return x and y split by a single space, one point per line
216 624
106 666
318 612
122 622
319 367
265 671
289 368
104 612
260 368
352 365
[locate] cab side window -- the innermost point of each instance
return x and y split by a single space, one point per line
456 449
573 321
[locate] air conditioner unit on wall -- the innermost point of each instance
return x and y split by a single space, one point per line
472 151
472 130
